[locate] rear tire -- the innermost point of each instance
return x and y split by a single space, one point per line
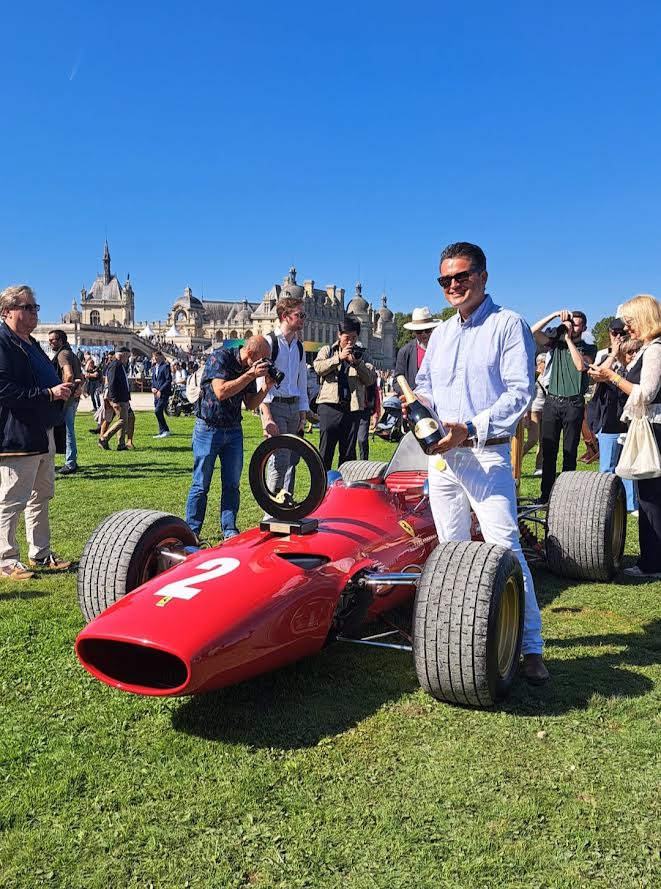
586 525
122 554
362 470
468 623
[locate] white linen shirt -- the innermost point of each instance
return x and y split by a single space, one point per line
480 369
295 370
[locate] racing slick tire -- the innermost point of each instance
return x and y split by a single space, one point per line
468 623
586 525
361 470
122 554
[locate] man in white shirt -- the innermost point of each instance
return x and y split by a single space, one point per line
478 374
285 408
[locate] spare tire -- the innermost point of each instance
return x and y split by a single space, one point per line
468 623
362 470
122 554
586 525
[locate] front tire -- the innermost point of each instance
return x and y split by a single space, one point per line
468 623
361 470
122 554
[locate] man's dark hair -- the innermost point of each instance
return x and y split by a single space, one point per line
470 251
60 334
582 316
157 354
349 325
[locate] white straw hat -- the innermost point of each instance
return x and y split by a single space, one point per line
421 320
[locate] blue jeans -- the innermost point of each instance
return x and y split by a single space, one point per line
608 456
71 457
227 446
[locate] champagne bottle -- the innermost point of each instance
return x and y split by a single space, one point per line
422 421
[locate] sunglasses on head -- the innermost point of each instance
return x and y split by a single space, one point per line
460 278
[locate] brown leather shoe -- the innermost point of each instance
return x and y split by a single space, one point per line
533 670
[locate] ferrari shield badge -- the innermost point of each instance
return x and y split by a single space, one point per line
404 525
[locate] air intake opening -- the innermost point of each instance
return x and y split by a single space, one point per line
135 665
305 561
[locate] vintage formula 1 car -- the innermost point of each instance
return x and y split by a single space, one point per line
170 618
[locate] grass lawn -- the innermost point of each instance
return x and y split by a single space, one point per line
337 771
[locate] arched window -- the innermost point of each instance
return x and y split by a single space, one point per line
219 336
95 317
180 316
247 334
233 335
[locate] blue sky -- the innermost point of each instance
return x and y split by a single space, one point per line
219 143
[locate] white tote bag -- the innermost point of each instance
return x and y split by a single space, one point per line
640 455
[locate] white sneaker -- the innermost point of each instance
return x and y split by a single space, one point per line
634 513
162 435
537 473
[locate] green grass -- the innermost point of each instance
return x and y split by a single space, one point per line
337 771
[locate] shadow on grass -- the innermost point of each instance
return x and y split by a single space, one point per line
299 705
574 681
135 469
22 594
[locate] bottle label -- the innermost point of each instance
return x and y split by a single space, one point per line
426 426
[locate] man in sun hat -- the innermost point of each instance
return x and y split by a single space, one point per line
409 357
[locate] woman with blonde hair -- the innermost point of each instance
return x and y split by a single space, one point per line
642 319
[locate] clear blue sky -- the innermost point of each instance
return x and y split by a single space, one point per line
220 142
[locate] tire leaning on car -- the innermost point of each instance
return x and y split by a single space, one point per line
122 554
586 525
361 470
468 623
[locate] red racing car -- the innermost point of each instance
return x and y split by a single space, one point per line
170 618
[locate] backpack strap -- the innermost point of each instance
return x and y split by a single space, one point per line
272 337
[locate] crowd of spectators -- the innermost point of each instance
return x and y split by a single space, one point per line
578 391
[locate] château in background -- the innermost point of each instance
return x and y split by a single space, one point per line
106 318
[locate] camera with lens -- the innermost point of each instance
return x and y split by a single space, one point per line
274 374
357 350
558 332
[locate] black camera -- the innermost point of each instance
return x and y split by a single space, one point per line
274 374
564 328
357 350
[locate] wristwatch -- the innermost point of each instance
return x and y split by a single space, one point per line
472 431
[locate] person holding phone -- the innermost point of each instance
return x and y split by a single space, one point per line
31 403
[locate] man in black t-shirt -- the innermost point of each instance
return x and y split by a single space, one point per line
567 382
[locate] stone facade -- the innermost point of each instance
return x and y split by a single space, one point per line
107 316
201 322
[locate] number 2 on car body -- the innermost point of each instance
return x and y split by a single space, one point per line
187 587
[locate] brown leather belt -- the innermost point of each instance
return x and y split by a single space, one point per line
472 443
286 399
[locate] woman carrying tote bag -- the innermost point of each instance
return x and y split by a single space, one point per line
642 319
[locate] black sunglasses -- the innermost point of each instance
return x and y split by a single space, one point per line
460 278
27 307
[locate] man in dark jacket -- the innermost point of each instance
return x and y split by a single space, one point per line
161 386
119 397
409 357
68 369
31 399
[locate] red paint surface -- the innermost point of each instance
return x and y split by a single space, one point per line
268 612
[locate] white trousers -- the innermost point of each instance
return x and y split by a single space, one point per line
26 485
482 481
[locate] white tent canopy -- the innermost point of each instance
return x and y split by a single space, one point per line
172 332
146 331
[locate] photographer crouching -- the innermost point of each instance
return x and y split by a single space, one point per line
567 381
341 401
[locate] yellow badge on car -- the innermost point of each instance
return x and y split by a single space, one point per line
440 464
406 527
163 601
